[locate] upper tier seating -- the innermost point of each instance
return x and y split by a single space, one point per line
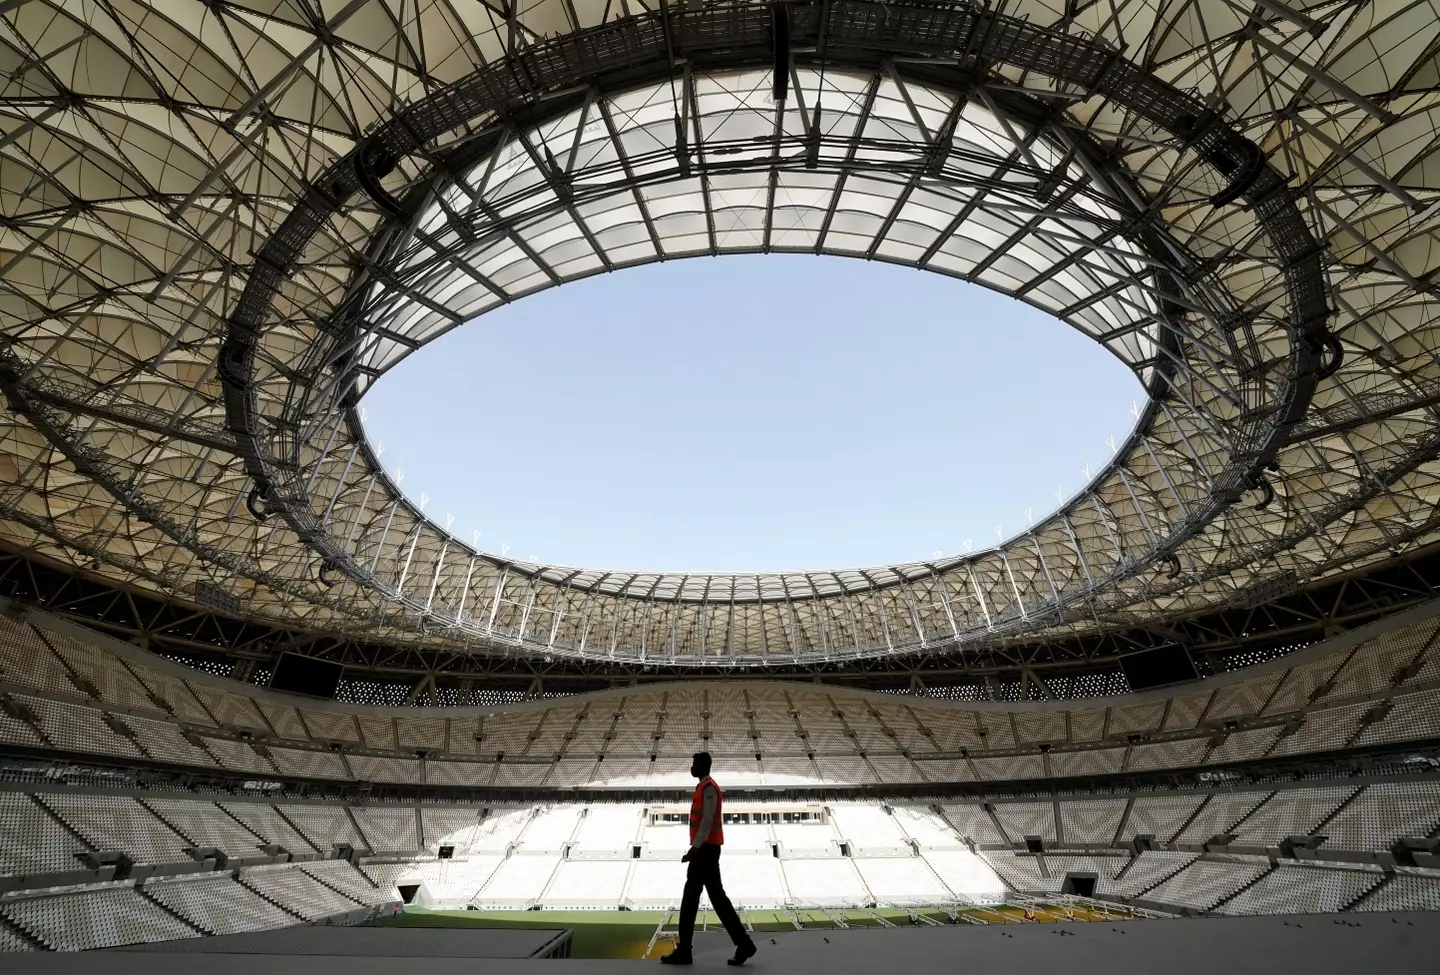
60 683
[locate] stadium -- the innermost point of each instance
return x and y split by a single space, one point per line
254 698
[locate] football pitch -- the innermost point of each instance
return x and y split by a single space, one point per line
641 934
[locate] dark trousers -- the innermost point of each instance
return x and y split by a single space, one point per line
705 872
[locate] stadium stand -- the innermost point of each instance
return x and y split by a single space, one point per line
13 940
518 882
656 884
344 878
1208 881
755 882
902 881
1090 822
270 825
1105 867
806 839
1289 813
608 832
1149 869
587 884
869 830
449 826
1022 819
216 904
388 829
369 768
550 829
296 891
1219 814
101 917
1020 873
1408 890
1304 889
926 828
827 882
310 764
205 824
975 824
325 826
118 823
748 838
966 875
500 827
1382 813
1160 816
579 856
32 840
664 842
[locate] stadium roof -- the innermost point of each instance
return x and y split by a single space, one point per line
222 220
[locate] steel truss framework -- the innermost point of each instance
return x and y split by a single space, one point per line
222 220
1073 668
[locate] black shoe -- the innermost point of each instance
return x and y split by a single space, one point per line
680 956
742 953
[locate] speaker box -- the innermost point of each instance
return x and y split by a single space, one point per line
1157 668
306 675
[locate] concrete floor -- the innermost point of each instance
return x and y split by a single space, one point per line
1396 944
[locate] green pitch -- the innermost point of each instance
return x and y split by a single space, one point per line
627 934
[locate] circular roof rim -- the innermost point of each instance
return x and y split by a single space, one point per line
990 106
1211 128
298 587
902 572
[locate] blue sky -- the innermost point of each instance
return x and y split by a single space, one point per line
750 413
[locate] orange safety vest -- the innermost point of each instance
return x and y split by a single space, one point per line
697 811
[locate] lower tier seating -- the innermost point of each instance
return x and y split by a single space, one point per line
218 905
101 917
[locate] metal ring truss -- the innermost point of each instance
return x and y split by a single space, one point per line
1022 155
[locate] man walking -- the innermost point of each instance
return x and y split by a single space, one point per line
707 835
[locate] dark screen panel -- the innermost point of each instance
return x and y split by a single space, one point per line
1157 668
306 675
